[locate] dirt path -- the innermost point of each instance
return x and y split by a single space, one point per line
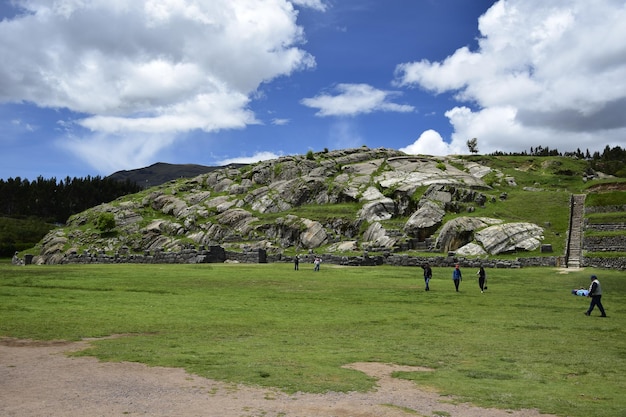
38 379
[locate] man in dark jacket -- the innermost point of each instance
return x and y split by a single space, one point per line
428 274
595 292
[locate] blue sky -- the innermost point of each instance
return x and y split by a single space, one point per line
93 87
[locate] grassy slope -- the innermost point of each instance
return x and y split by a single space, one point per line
556 177
524 343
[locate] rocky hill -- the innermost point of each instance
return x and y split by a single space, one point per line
339 201
159 173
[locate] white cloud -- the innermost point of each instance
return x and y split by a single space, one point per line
280 122
544 74
259 156
353 99
148 66
210 112
112 152
430 143
314 4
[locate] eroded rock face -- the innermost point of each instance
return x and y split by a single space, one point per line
480 235
425 221
508 237
460 231
376 236
314 235
230 205
471 249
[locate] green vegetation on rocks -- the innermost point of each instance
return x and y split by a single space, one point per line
322 199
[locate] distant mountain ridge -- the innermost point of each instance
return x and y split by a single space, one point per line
161 172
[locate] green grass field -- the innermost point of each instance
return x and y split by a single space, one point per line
525 343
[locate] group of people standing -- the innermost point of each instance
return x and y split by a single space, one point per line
594 291
457 277
316 263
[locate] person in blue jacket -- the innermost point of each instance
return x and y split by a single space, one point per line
581 292
457 277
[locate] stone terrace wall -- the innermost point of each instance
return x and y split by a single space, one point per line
615 243
416 261
215 255
604 209
606 263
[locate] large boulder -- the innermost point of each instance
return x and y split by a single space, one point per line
471 249
314 235
373 211
460 231
425 221
510 237
376 236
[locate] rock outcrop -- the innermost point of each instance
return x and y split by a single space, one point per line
460 231
510 237
351 198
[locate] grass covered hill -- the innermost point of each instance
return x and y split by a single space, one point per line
345 201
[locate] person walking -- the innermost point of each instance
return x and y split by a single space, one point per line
317 263
457 277
595 292
428 274
482 277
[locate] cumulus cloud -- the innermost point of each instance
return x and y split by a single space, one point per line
430 142
259 156
148 67
353 99
543 74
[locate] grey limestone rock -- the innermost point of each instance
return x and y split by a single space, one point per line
460 231
509 237
425 221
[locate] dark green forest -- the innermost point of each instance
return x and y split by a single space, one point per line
29 209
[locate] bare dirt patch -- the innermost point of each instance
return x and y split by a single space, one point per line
39 379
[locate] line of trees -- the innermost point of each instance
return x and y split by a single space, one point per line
611 161
55 201
29 209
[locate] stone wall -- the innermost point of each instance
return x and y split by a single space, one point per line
604 209
606 263
616 243
217 254
212 254
434 261
610 242
606 227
